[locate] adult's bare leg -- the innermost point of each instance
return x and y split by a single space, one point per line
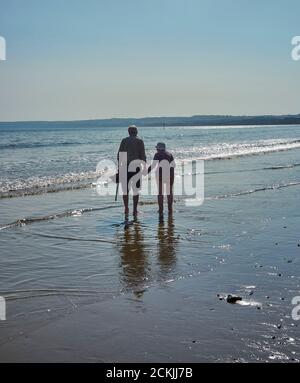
160 200
135 204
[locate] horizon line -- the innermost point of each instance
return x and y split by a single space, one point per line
153 117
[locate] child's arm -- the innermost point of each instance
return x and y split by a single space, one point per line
153 164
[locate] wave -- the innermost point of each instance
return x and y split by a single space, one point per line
74 238
223 151
39 144
77 212
37 293
68 213
228 127
39 185
251 191
278 167
275 167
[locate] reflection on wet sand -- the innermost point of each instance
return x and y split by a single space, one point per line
133 258
135 249
167 243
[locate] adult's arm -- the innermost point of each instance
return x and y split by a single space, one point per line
121 149
153 164
142 151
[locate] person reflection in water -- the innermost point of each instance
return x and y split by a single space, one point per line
134 262
135 270
167 246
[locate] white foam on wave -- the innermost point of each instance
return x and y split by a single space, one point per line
217 151
227 127
36 185
228 150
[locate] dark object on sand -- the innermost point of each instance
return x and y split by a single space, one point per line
233 299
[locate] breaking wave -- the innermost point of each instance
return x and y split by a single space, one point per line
225 150
78 212
221 151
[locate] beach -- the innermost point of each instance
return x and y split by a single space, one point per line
83 284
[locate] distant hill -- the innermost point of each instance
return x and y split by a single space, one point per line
209 120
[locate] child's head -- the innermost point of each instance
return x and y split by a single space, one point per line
161 147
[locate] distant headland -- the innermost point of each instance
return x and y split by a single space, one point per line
197 120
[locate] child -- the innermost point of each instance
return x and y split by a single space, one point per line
164 163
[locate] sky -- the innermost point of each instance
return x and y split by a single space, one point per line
89 59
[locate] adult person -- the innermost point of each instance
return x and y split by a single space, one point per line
131 160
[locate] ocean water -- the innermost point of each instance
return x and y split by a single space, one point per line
66 250
37 160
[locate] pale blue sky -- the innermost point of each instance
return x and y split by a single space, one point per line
81 59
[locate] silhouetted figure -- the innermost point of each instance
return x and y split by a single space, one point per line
164 164
135 151
133 258
167 243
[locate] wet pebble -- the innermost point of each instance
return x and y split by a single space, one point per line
233 299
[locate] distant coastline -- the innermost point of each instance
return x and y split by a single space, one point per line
198 120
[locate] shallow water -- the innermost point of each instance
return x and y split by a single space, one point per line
76 256
47 159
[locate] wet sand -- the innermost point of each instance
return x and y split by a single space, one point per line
153 292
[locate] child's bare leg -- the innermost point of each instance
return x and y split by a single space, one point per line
160 200
125 200
170 203
135 204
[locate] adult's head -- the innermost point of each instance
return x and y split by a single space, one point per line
161 146
132 130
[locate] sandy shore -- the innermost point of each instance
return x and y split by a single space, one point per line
179 318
